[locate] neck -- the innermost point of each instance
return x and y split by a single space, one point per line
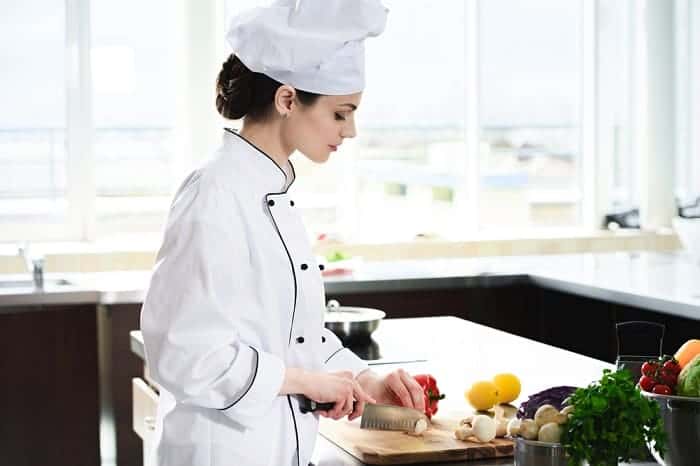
268 138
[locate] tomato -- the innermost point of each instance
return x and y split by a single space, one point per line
662 389
666 377
649 368
672 366
647 383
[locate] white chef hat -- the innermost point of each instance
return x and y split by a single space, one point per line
313 45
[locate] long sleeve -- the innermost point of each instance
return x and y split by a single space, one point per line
338 358
188 320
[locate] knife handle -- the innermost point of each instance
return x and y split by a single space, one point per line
307 405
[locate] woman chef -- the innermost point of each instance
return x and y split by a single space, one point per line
233 319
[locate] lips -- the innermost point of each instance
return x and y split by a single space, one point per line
333 148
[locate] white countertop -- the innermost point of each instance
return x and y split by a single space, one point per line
663 282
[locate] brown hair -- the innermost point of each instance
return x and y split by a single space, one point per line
241 92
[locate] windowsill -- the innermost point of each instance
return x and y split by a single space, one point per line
137 252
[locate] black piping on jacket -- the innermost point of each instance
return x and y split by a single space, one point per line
334 353
291 264
267 195
255 374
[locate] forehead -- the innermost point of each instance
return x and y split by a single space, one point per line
342 100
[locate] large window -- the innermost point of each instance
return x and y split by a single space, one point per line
86 132
134 76
33 162
530 82
489 116
687 36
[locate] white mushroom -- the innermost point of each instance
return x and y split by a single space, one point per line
483 428
529 429
420 427
501 427
567 410
550 432
513 428
546 414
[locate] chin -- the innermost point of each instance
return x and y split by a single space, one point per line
319 157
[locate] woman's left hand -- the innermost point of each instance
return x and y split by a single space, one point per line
397 387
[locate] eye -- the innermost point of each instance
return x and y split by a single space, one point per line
339 117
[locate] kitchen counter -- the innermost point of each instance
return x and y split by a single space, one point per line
662 282
464 353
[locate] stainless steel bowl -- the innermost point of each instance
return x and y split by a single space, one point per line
535 453
681 417
352 324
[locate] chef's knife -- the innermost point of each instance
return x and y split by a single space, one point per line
390 417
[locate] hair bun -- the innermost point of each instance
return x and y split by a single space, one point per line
234 89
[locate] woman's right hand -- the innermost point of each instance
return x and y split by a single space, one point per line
340 388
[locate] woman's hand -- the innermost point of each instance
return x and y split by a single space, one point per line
397 387
337 387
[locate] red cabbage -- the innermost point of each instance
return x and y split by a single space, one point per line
554 396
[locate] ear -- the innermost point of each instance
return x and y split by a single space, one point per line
284 100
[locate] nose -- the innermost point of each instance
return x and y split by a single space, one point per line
349 130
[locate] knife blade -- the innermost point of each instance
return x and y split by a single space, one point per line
390 417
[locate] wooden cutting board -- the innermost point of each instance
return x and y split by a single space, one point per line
436 444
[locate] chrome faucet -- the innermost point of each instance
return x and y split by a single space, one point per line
34 263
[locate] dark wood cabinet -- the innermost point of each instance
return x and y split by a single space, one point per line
49 394
123 367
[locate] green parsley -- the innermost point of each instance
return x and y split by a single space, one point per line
611 422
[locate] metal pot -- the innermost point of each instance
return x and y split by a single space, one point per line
535 453
352 324
681 418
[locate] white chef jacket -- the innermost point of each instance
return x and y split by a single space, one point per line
236 296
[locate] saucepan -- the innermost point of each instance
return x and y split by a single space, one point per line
352 324
681 418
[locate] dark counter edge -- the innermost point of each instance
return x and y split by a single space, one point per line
42 301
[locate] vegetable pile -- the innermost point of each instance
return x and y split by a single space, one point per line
677 375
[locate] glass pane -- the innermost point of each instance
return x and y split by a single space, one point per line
397 178
692 182
614 118
33 120
134 92
410 141
695 95
530 55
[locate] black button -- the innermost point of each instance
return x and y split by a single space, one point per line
300 339
323 339
321 267
270 202
291 203
304 266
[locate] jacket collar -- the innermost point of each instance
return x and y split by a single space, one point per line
261 162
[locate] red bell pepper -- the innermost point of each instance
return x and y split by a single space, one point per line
431 393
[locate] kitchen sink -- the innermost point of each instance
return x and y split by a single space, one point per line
28 283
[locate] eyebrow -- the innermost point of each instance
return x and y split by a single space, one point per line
352 106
